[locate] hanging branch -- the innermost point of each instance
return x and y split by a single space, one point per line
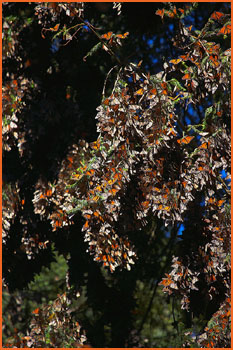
91 27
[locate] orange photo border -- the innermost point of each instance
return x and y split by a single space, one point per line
2 1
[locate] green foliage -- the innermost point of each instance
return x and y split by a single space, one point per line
18 306
51 280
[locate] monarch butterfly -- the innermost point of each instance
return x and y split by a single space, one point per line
87 216
114 246
166 282
160 13
153 92
172 14
175 61
113 191
204 145
214 60
213 49
217 15
49 193
96 214
107 36
95 144
139 92
156 189
122 36
187 76
225 30
70 159
106 102
55 28
36 311
185 140
212 200
145 204
184 57
90 172
86 225
164 86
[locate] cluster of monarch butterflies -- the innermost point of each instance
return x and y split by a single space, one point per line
145 164
221 319
13 92
139 142
205 260
10 204
48 11
213 237
54 319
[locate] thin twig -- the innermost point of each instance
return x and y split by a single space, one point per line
105 82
